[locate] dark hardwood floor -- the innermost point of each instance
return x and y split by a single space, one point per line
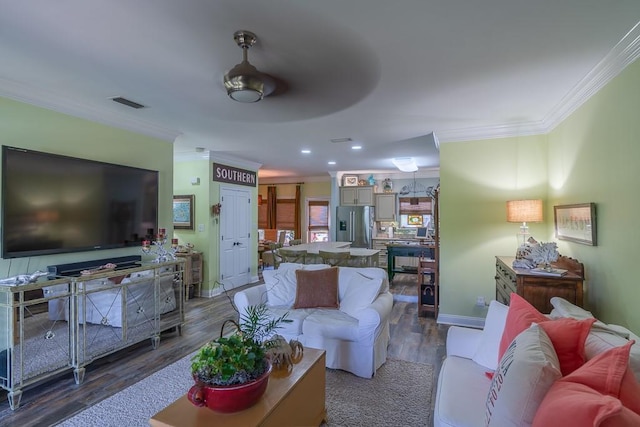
413 338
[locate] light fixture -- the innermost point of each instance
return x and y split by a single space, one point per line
244 83
305 151
356 147
331 162
405 164
524 211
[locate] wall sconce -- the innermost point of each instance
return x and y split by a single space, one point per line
524 211
215 209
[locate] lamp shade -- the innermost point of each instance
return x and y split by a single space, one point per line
524 211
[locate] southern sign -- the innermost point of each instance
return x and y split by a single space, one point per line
224 173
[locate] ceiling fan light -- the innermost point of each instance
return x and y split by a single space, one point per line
244 83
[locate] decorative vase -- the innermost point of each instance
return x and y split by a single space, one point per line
231 398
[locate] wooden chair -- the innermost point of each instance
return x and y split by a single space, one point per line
335 258
428 286
282 237
271 256
288 255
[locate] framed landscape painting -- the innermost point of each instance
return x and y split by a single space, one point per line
183 212
576 223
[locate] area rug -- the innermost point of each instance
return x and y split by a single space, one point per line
398 395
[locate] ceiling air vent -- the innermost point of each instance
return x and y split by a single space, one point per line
127 102
339 140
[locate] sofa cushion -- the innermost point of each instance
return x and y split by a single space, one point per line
525 374
487 352
331 324
520 316
461 383
317 288
360 292
601 392
568 337
599 341
297 317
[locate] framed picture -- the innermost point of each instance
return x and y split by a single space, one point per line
350 180
183 212
414 219
576 223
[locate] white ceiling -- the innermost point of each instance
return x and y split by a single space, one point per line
385 73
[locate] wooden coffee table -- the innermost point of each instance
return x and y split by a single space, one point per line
297 399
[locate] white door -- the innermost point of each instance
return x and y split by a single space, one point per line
235 237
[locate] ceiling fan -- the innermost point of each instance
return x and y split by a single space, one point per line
244 83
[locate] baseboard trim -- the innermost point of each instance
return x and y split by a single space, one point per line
468 321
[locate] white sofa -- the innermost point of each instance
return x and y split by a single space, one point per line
463 383
355 336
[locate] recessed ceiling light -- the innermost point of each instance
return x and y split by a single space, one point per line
356 147
305 151
331 162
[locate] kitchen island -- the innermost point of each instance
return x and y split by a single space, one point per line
361 256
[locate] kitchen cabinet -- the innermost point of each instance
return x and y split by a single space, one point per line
356 196
386 206
538 289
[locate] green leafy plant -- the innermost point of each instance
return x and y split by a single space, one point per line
240 357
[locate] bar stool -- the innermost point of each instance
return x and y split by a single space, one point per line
335 258
288 255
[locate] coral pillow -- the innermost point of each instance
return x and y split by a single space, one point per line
525 374
520 316
603 392
568 337
317 288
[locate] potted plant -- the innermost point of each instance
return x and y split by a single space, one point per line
231 373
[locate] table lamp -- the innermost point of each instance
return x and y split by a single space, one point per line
524 211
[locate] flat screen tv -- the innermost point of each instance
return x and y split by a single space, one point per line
53 204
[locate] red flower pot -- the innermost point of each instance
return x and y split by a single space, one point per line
230 398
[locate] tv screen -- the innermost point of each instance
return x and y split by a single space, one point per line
53 204
421 232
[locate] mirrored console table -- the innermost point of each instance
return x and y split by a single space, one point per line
74 320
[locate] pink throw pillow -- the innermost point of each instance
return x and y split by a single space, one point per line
603 392
520 316
568 337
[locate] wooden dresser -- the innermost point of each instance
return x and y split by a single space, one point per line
539 289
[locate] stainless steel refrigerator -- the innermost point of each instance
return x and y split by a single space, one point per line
355 224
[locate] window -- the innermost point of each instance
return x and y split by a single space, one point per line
318 221
286 214
262 215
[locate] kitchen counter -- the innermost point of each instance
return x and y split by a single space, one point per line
406 250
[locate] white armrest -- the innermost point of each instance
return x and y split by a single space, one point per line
463 342
251 296
370 319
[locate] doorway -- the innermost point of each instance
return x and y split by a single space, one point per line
235 237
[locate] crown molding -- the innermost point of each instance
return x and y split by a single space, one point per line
61 104
625 52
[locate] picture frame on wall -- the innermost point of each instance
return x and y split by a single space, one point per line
576 223
350 180
183 206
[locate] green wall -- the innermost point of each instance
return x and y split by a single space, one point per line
476 180
592 156
26 126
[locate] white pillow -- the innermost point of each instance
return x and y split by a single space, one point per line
487 352
281 288
525 374
360 292
600 341
565 309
